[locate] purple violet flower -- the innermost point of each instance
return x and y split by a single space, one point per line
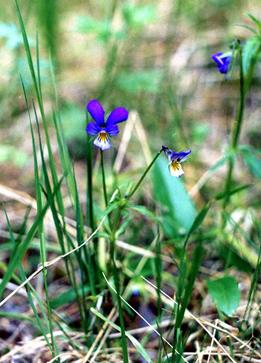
175 160
223 61
101 128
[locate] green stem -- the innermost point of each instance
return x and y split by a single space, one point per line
236 132
89 206
91 258
240 114
104 181
128 196
119 302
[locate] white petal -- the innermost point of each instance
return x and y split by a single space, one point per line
175 169
102 142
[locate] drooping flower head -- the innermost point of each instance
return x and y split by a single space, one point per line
175 160
223 61
102 128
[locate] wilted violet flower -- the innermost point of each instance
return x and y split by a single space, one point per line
175 160
101 128
223 61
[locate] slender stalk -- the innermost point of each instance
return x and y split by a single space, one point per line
104 181
89 196
119 302
236 132
240 115
128 196
158 278
91 258
114 226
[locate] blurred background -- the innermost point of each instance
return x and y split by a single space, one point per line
153 57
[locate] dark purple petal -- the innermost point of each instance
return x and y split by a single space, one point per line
216 58
226 63
168 152
164 148
222 61
92 128
117 115
112 130
96 111
181 156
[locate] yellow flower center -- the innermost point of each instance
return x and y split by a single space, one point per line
176 165
103 136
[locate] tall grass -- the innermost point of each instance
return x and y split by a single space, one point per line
171 220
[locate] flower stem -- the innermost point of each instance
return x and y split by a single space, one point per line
116 279
114 226
91 257
235 132
240 115
89 206
130 194
104 181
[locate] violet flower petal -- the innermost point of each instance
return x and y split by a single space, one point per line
112 130
96 111
92 128
180 156
117 115
222 61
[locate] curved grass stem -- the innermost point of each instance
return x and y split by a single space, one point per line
130 194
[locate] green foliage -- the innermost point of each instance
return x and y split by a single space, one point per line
133 340
47 12
200 132
10 154
73 124
170 192
21 249
67 297
257 23
102 29
250 52
225 294
140 81
136 17
236 190
252 159
11 34
163 236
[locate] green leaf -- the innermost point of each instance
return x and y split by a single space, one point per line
249 52
170 192
199 219
252 158
256 21
221 162
145 212
134 341
67 297
225 294
236 190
